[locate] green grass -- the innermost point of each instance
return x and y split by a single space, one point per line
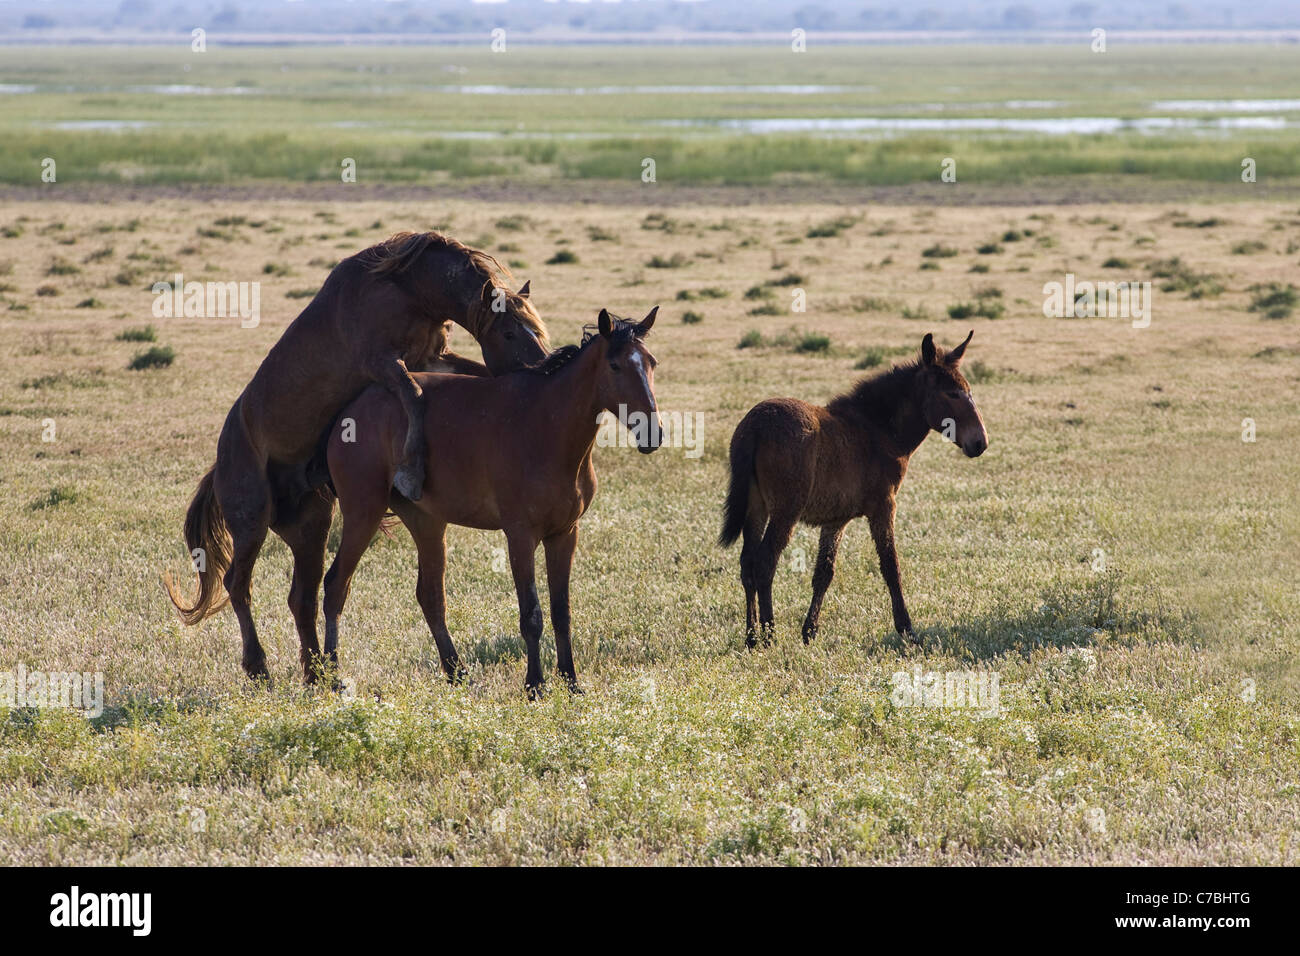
286 130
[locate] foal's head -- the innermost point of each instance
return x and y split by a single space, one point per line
626 385
510 332
947 403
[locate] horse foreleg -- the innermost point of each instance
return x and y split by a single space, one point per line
393 374
559 563
458 365
827 549
522 546
882 531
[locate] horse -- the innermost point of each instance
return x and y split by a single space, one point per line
511 453
796 462
380 314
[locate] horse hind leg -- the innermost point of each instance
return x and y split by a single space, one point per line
751 541
306 537
244 494
775 538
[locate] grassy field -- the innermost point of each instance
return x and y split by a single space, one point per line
1148 694
154 115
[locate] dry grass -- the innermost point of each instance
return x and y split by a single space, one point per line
1122 691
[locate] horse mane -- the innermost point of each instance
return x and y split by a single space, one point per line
624 332
398 254
877 397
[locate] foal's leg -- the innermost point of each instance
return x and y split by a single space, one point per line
244 494
777 536
361 520
882 530
827 548
559 562
752 539
306 537
392 372
430 590
522 546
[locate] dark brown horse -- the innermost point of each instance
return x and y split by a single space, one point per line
511 453
792 461
379 315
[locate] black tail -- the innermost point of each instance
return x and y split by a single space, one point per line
742 476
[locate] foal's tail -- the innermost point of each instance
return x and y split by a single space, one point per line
742 476
209 542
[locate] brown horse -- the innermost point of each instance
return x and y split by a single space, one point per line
379 314
511 453
792 461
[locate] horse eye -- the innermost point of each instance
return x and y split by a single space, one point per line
614 366
510 336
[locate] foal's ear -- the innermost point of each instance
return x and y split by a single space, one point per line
646 323
927 349
523 289
604 324
953 357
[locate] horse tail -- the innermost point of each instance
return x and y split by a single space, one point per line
742 476
208 539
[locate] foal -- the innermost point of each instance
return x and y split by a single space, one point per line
511 453
792 461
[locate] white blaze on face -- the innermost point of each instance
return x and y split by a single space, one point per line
638 363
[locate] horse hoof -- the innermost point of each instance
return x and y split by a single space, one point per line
575 688
536 691
257 671
408 484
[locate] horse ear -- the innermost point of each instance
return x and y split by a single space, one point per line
488 293
604 324
927 349
955 355
523 289
647 322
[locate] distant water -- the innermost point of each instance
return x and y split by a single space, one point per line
1051 126
1229 106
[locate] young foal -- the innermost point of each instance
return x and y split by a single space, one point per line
792 461
511 453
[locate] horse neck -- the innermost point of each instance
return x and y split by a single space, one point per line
895 408
567 401
453 286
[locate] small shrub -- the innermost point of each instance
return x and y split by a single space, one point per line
813 342
142 334
58 495
939 251
675 261
692 318
750 340
160 356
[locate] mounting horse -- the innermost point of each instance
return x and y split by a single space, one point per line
379 315
792 461
510 453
